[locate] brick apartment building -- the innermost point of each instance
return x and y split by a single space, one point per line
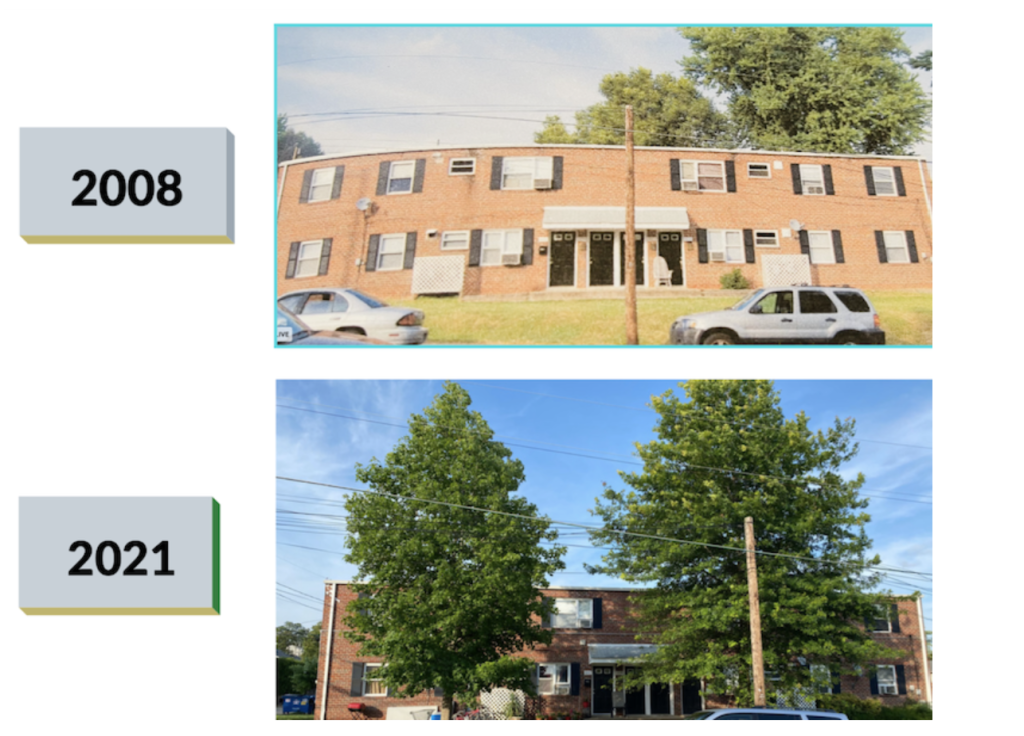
591 651
519 220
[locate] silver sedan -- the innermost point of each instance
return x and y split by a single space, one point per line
348 310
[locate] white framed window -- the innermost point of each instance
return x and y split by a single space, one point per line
501 247
725 246
885 181
391 252
373 685
759 170
766 238
886 676
554 679
812 179
821 677
704 176
400 177
308 263
896 246
321 184
881 623
455 240
821 247
461 166
527 172
573 613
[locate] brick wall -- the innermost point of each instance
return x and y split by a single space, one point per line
595 176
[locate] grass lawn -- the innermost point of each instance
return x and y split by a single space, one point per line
906 318
295 717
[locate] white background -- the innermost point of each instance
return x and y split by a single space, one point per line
149 370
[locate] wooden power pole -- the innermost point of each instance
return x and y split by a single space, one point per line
630 245
755 615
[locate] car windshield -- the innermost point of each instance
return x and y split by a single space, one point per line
367 300
287 319
747 301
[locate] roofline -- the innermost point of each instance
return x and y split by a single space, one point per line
734 151
550 587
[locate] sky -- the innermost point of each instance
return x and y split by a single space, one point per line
414 78
573 437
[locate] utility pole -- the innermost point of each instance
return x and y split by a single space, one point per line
630 244
755 615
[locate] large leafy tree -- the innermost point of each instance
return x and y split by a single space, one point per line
667 111
809 524
293 144
838 90
448 593
290 634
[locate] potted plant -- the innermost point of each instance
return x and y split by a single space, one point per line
513 709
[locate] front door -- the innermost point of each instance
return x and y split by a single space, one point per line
602 693
639 259
670 247
691 697
562 261
636 699
661 699
602 259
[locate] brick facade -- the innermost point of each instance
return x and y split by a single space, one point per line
312 215
574 646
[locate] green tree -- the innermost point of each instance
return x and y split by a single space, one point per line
789 480
288 140
448 594
311 643
290 634
838 90
922 61
667 111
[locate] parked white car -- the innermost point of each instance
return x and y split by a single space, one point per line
765 714
840 315
348 310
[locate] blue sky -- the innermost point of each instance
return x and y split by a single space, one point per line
522 72
599 419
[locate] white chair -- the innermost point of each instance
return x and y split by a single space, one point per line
662 274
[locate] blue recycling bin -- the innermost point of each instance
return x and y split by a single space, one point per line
435 716
297 704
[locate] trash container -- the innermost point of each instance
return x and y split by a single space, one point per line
297 704
435 716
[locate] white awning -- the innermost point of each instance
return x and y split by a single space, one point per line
612 653
614 218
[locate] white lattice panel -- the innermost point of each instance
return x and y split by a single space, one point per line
438 275
785 270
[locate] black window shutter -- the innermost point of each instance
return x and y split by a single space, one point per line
307 180
797 186
880 245
911 246
545 619
869 179
382 178
574 676
826 169
673 172
702 245
874 682
901 679
556 172
357 679
293 259
421 170
410 250
339 174
476 239
527 246
597 613
748 245
730 179
894 618
805 242
898 173
371 253
837 685
325 256
495 172
837 246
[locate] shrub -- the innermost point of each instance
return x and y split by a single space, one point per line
734 280
857 709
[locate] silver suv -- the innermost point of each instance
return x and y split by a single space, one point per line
791 314
765 714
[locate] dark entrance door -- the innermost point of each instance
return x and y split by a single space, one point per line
661 701
562 260
691 697
639 258
602 690
636 700
602 259
670 247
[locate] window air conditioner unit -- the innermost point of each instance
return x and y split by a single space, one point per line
563 689
510 259
718 257
586 623
815 190
690 185
541 183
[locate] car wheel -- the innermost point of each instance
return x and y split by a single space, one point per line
353 330
718 338
848 338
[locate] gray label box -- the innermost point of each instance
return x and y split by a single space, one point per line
51 157
50 526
